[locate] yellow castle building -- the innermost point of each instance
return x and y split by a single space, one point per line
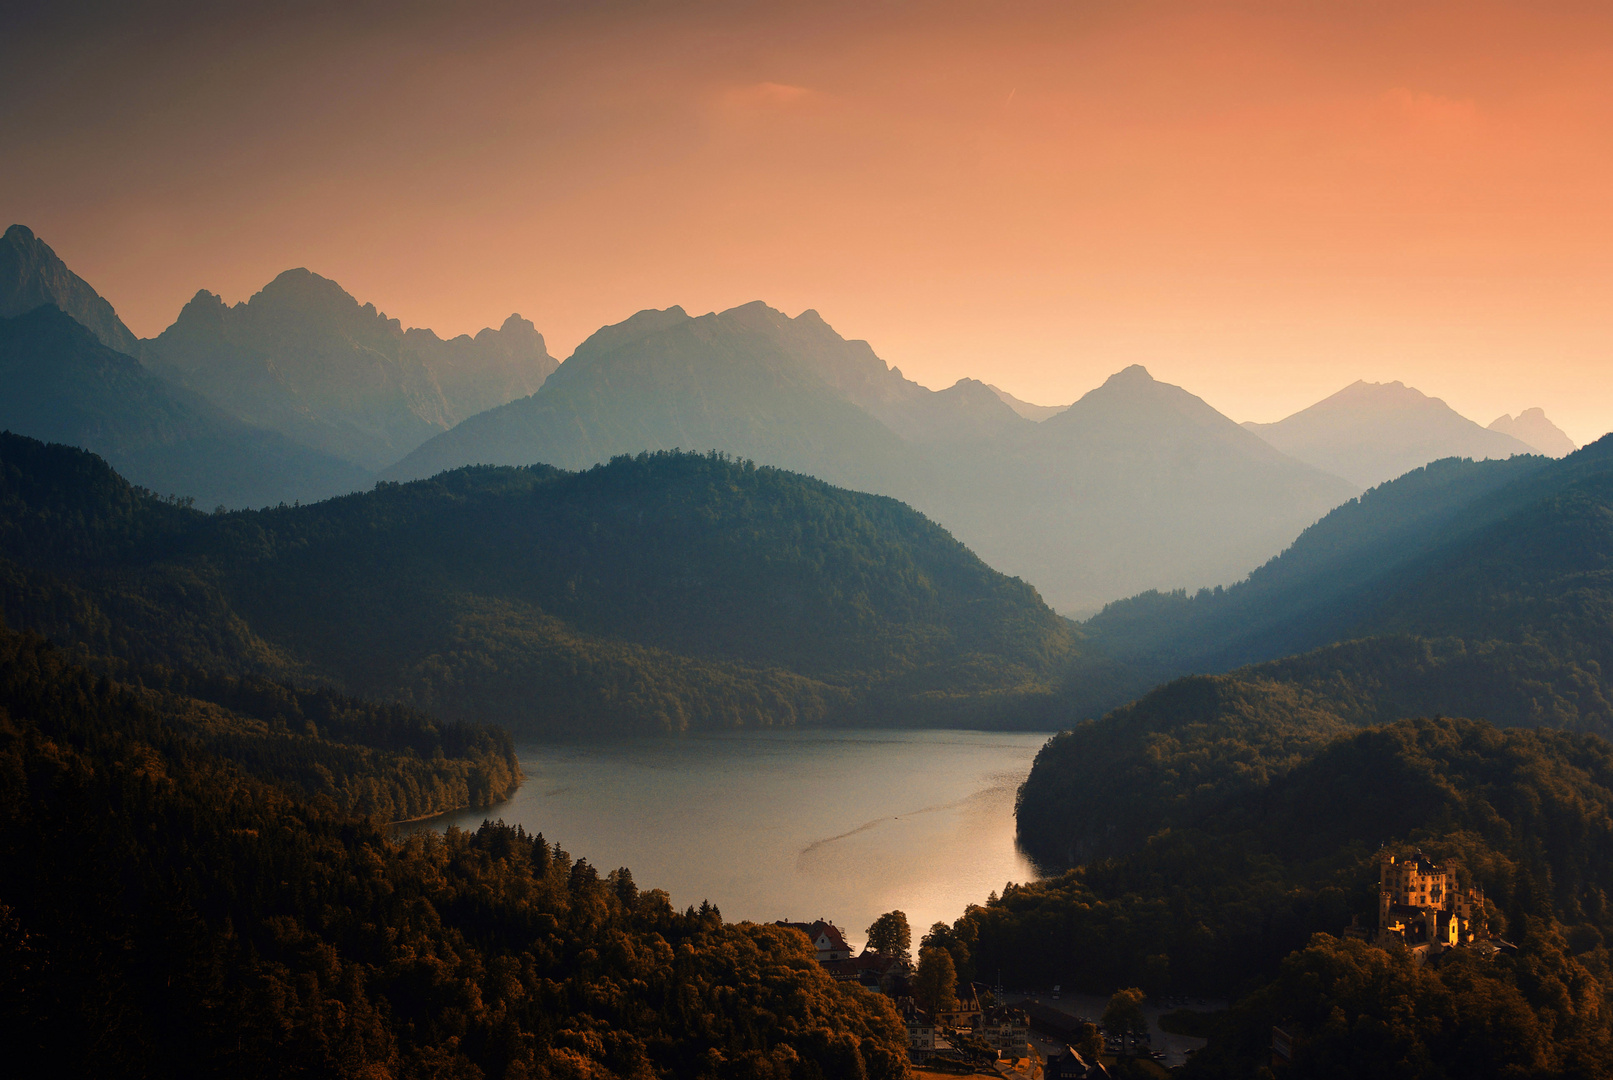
1420 904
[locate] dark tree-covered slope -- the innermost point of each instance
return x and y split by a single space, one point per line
1230 897
1499 607
164 911
657 593
63 385
1323 584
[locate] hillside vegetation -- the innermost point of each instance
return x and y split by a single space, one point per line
167 911
1253 894
1498 605
655 593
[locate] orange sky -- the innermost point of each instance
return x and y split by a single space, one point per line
1262 201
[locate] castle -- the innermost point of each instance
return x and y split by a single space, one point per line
1420 905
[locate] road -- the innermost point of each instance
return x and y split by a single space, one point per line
1090 1007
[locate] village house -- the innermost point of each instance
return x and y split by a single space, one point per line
966 1015
1005 1030
871 969
825 936
920 1030
1070 1065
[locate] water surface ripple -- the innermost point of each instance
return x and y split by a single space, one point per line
800 825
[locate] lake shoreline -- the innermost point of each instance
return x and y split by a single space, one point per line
835 823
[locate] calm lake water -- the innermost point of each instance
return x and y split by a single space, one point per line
798 825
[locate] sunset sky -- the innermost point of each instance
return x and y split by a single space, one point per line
1261 201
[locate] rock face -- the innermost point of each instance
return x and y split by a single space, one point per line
1138 485
63 385
1372 432
1532 427
304 358
31 276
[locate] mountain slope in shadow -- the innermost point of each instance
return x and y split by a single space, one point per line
304 358
63 385
1137 484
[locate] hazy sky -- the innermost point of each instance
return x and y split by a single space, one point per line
1262 201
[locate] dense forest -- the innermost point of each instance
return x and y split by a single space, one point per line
657 593
1220 832
1252 893
1509 619
1328 580
168 910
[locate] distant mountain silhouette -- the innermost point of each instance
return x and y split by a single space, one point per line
1372 432
1138 480
748 381
1137 484
1532 427
304 358
1025 408
31 276
63 385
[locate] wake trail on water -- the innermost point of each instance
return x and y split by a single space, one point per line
1004 782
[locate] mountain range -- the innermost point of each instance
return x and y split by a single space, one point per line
304 358
1372 432
63 384
1137 482
1139 485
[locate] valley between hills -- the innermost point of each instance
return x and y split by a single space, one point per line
290 573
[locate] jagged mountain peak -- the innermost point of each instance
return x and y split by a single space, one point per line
302 294
1132 373
1532 426
1131 394
32 275
641 324
304 357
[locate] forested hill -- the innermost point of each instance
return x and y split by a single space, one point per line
1326 582
1254 894
1507 617
165 911
382 762
656 593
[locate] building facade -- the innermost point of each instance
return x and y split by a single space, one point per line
1421 906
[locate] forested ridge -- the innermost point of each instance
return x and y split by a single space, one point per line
1509 619
657 593
1328 579
1250 896
167 910
1220 832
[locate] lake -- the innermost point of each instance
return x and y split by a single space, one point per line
803 824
